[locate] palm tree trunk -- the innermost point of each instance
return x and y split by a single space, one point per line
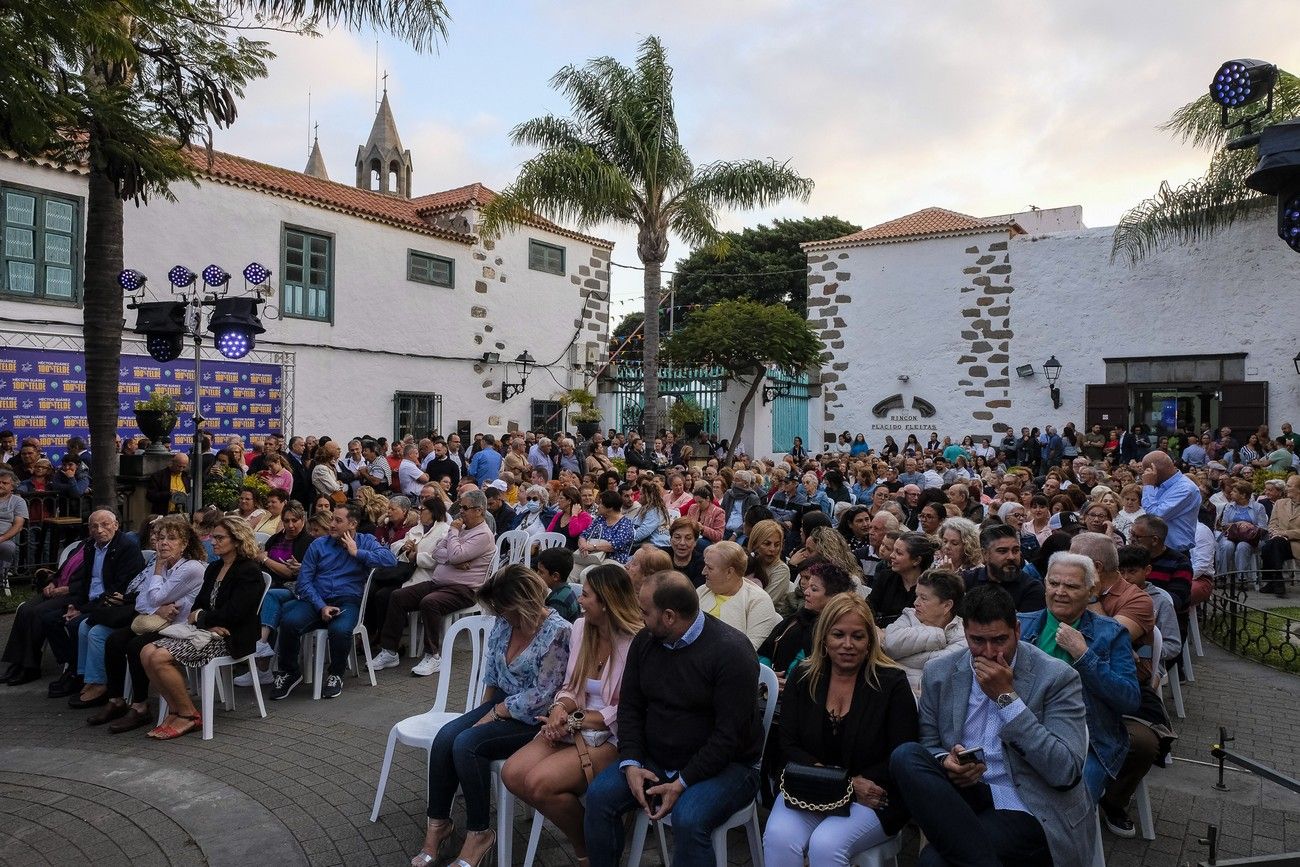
102 330
650 351
740 415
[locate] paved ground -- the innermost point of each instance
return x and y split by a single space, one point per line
296 788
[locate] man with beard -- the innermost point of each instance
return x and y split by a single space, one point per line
1003 567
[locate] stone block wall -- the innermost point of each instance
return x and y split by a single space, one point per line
827 303
984 368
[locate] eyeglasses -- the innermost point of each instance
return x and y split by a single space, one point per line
464 507
534 499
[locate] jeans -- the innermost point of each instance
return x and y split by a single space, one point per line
1094 776
704 806
272 604
792 834
90 652
461 757
1235 557
297 618
959 833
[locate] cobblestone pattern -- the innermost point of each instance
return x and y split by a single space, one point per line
315 765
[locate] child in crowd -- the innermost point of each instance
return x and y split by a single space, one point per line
1134 567
554 565
1131 500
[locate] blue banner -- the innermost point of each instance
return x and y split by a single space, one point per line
43 395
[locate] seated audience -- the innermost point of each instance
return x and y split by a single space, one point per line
846 706
646 561
708 515
959 546
931 628
1284 538
684 548
610 534
1117 598
894 589
536 515
527 655
584 716
791 641
570 517
1004 567
764 543
26 644
994 778
727 596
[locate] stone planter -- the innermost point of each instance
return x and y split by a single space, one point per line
157 426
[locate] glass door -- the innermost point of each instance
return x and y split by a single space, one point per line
1166 410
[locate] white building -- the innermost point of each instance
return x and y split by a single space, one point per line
388 304
942 321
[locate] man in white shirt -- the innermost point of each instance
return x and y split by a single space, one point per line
409 475
355 461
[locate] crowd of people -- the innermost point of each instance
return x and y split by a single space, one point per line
962 634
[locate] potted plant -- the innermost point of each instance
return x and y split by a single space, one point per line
588 416
156 418
687 416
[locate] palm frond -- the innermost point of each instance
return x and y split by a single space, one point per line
570 187
1200 122
1191 212
695 222
548 133
748 184
419 23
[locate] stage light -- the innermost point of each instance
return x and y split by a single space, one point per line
131 281
163 324
215 275
1241 82
257 274
235 326
180 277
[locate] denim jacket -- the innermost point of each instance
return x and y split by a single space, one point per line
1110 684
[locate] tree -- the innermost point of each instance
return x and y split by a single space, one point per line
127 89
618 158
762 263
743 338
1214 201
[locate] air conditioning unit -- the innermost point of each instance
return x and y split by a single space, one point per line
593 354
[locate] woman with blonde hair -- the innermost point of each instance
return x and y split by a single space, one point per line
580 736
847 706
828 544
959 546
766 566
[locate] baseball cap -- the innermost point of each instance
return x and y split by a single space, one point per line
496 485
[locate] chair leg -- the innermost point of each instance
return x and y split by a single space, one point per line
663 844
534 838
505 819
1098 854
1176 689
1194 630
257 686
226 676
1187 661
162 709
1146 821
365 649
755 835
318 662
383 772
413 627
640 825
208 677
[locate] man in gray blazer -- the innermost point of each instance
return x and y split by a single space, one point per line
1022 801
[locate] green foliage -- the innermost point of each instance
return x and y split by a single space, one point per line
744 337
685 411
703 277
222 492
1263 476
586 403
1205 205
158 401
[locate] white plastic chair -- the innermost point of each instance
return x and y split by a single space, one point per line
516 543
1194 631
1160 676
883 855
262 539
223 666
315 646
544 541
420 730
415 626
746 816
67 552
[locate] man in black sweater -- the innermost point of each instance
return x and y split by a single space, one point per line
1003 567
688 728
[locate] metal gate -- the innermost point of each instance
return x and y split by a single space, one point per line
789 410
704 385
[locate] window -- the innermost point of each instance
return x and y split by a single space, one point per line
426 268
42 246
545 257
308 270
416 413
547 415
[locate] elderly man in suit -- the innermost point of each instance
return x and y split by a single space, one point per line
997 777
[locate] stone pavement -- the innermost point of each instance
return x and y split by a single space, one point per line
296 787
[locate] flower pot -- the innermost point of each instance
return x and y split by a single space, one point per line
588 429
691 429
157 426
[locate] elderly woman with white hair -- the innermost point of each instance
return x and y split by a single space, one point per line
535 511
1099 649
1016 516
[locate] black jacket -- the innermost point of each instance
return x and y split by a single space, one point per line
790 641
879 719
235 606
122 562
158 492
1026 591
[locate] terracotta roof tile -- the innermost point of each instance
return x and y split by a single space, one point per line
923 223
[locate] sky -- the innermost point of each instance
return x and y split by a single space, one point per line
983 108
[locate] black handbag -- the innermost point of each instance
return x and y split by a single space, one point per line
824 790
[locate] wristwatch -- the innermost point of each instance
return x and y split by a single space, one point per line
575 720
1006 699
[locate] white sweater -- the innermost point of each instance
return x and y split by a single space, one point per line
912 644
750 610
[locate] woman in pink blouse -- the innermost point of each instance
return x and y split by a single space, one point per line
570 518
584 718
276 473
707 514
677 499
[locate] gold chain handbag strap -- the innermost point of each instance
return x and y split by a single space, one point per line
816 808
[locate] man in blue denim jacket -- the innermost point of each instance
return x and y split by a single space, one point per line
1101 652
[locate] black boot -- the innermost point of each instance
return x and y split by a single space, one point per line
24 676
69 683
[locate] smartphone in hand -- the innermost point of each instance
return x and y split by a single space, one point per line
972 756
653 802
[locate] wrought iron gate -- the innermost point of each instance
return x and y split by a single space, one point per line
789 410
704 385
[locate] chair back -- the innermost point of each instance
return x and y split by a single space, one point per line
67 552
477 628
365 594
516 544
544 541
1157 644
767 678
262 539
267 581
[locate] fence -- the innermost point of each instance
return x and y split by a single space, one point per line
1270 636
703 385
53 520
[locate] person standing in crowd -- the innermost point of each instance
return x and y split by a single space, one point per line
485 466
995 775
1172 497
689 731
1003 566
847 706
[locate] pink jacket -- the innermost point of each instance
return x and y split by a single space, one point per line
713 522
610 684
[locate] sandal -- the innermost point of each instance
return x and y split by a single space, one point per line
423 858
167 733
461 862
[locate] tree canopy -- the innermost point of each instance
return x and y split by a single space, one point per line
774 269
1202 206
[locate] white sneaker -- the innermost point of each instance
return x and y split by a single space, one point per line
263 677
427 666
385 659
263 650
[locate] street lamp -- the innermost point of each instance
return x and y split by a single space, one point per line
1052 370
1296 361
524 363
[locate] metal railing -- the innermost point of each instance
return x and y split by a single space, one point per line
1237 622
1224 756
53 520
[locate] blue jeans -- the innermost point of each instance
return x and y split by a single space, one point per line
90 652
297 618
704 806
960 830
272 604
461 757
1094 776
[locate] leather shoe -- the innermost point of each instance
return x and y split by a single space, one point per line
108 714
27 675
134 719
65 686
77 704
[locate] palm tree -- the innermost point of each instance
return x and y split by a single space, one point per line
125 88
1204 205
619 159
